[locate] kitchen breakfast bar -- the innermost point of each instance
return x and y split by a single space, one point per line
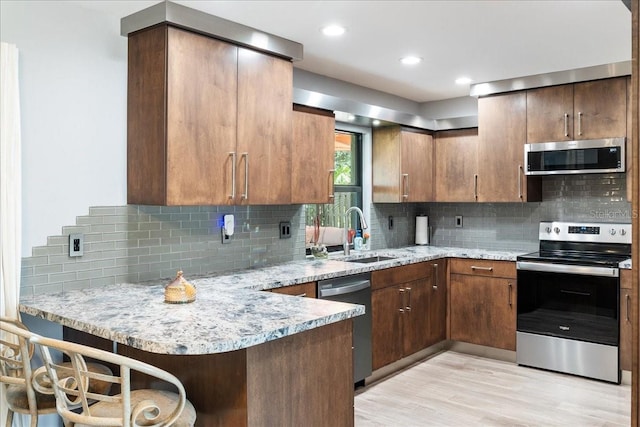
244 357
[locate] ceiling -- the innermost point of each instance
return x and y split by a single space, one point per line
482 40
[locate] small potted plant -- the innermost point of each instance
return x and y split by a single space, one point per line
318 250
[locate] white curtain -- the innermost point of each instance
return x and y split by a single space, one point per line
10 188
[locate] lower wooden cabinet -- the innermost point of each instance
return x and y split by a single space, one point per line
408 306
483 303
626 298
307 290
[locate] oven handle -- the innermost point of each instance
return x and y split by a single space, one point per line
568 269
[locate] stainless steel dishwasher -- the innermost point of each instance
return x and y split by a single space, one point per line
354 289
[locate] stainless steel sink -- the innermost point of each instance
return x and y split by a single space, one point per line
371 259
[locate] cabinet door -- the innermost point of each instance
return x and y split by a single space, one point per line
201 119
600 109
456 155
402 166
265 87
502 134
416 180
483 311
437 309
550 114
386 338
312 157
626 299
416 315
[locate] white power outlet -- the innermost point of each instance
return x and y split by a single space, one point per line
76 244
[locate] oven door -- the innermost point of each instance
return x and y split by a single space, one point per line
569 301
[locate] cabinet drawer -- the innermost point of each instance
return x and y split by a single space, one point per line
397 275
302 290
483 267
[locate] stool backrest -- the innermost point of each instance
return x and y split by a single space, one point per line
15 359
70 384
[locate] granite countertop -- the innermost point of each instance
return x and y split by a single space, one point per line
228 314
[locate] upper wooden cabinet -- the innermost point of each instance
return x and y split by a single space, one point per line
456 153
587 110
312 154
402 165
502 127
209 123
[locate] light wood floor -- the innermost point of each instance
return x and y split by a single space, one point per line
455 389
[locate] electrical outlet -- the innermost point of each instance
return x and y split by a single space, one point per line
225 237
458 221
285 230
390 222
76 244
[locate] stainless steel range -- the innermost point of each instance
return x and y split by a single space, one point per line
568 299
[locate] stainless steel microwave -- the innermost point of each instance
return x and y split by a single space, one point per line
570 157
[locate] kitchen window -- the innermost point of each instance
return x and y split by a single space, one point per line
347 190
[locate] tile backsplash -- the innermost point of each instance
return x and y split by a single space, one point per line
514 226
138 243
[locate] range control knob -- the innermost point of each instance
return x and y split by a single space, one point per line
557 230
623 232
548 230
612 231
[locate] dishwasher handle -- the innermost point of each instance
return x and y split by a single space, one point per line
349 288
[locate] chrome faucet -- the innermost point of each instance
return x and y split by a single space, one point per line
345 245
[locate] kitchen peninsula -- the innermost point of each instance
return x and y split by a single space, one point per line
244 357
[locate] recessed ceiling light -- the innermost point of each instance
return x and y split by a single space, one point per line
375 122
463 80
411 60
333 30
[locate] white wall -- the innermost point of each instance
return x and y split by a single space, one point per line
73 83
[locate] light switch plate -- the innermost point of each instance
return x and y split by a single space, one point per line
458 221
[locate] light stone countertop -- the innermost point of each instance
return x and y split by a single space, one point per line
228 314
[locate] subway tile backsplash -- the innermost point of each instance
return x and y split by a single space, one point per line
138 243
514 226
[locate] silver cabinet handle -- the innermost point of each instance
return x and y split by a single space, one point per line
304 294
435 268
233 175
245 195
401 293
474 267
510 291
332 191
628 297
405 185
475 186
520 173
566 124
580 123
408 306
